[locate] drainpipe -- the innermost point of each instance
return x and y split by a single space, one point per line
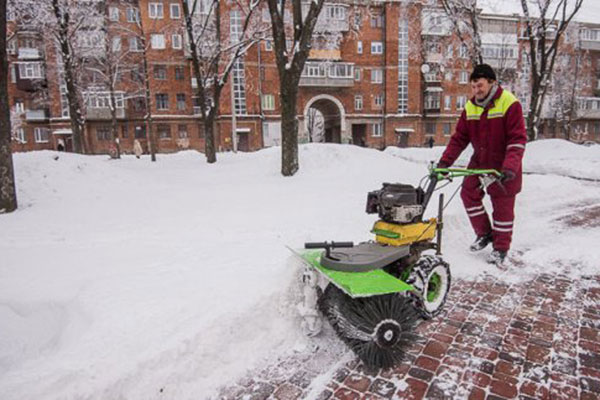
385 51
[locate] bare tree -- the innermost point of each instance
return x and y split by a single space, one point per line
290 63
465 18
8 194
210 49
545 30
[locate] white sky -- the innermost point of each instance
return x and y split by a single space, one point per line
589 12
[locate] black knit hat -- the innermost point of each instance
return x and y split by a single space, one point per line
482 71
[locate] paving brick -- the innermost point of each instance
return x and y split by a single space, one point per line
564 365
590 385
485 353
421 374
491 340
538 354
564 379
287 391
346 394
383 388
447 329
592 373
503 389
341 374
470 328
484 366
589 346
588 396
561 392
427 363
477 378
325 395
534 390
357 382
476 394
436 349
441 390
506 368
443 338
536 372
590 360
412 390
259 391
511 357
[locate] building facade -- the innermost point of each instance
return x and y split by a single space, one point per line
379 74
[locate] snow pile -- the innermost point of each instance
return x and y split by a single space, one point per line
138 280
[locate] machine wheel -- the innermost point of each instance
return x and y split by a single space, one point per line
372 327
431 276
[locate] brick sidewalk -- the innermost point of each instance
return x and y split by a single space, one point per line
538 339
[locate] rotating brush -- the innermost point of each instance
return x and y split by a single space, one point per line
371 326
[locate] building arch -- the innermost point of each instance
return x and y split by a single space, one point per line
333 110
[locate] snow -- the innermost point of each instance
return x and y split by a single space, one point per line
138 280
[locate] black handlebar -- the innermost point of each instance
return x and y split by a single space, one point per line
327 245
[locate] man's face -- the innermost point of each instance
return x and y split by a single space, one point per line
481 88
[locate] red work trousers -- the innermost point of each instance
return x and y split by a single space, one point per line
503 213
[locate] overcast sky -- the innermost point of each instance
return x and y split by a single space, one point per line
589 12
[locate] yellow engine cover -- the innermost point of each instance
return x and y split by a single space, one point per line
400 235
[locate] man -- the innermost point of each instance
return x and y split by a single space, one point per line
492 122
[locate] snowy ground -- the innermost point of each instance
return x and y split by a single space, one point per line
132 280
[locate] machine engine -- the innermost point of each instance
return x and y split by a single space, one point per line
396 203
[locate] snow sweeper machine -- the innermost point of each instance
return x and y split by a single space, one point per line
374 293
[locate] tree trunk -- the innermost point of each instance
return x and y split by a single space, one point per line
289 127
8 195
62 18
150 134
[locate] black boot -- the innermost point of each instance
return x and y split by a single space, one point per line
497 257
481 242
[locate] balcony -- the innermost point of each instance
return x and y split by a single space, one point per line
103 113
327 74
588 107
36 115
26 53
590 44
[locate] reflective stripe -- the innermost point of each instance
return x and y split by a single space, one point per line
476 214
503 223
499 109
502 229
475 208
520 146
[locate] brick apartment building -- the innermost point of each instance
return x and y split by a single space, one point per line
395 74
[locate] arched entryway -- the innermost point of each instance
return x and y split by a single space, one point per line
325 120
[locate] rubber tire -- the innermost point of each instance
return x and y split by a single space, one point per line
423 270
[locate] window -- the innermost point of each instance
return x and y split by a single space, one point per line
116 44
359 47
133 15
358 102
160 72
176 41
11 46
268 102
162 101
155 10
41 135
450 51
378 102
460 102
164 131
181 104
135 44
20 135
182 132
463 51
403 66
113 13
336 12
179 74
377 21
430 128
376 48
175 11
103 133
447 102
124 131
376 75
158 41
140 131
357 73
377 129
463 77
448 75
30 70
19 106
447 128
268 45
432 100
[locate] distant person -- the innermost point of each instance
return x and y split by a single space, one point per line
492 122
430 142
137 148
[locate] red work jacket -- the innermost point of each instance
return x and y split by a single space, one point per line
498 136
